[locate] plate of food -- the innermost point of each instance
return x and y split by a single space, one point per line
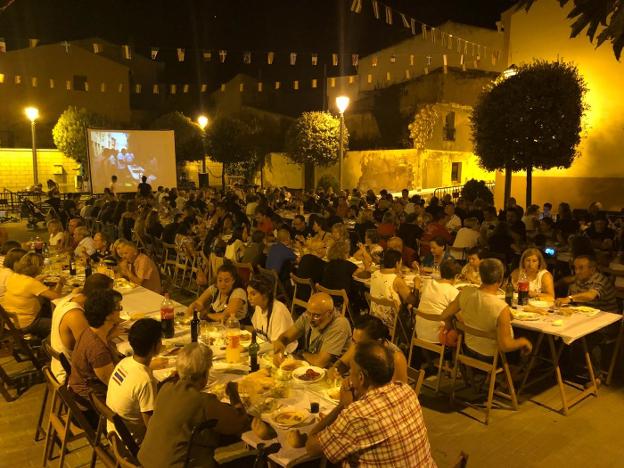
309 374
540 304
291 364
525 316
586 310
333 394
124 285
290 417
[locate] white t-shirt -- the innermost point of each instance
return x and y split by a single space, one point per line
131 391
63 306
219 303
434 298
481 310
280 321
454 223
4 275
86 247
56 239
382 286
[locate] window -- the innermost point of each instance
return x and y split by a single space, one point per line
449 127
456 172
80 83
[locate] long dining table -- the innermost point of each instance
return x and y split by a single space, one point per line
139 302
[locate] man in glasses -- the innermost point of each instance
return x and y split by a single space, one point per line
326 334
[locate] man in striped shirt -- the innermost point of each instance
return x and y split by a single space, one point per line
378 423
132 387
590 287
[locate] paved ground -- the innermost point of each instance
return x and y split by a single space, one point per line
531 437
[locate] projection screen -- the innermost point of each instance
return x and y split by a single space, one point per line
130 154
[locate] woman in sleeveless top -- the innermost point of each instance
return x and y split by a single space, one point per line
533 265
368 328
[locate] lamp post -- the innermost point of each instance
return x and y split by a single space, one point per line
202 121
342 102
33 114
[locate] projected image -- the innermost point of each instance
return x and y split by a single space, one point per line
130 155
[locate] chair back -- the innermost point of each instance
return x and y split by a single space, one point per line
68 399
120 426
301 285
461 326
197 430
388 305
9 331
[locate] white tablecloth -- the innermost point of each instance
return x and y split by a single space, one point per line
573 327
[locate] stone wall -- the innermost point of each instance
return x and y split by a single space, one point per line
16 169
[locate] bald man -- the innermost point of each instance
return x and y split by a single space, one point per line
326 334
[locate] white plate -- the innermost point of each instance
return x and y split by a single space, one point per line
541 304
525 316
299 372
303 413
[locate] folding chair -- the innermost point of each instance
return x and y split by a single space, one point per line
491 369
167 266
194 442
62 428
126 450
340 294
419 381
438 348
52 354
616 352
299 286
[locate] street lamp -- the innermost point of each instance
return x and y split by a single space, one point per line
202 121
342 102
33 114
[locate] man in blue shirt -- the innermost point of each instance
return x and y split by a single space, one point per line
280 253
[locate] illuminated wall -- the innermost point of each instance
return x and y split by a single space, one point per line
598 174
16 168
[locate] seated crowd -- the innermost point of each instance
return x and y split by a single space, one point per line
338 241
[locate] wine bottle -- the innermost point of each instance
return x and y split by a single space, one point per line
195 327
254 348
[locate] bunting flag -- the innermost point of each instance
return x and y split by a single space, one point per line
314 83
1 78
223 87
207 55
51 83
204 88
259 86
102 87
241 87
2 45
314 60
173 89
293 58
120 88
222 55
375 5
180 53
277 85
97 48
155 89
137 88
126 52
270 57
33 82
18 79
247 58
33 43
393 58
154 53
335 60
185 88
374 61
388 15
406 23
296 85
356 6
355 60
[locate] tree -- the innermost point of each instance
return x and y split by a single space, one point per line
595 14
228 140
474 189
70 132
189 143
314 139
530 120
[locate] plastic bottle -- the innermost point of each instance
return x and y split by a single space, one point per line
167 317
232 340
523 289
254 348
194 326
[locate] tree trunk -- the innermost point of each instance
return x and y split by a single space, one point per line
507 194
308 169
223 178
529 187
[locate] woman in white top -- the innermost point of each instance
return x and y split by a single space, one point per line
435 296
235 246
467 238
480 308
271 317
533 265
225 298
387 283
6 270
57 235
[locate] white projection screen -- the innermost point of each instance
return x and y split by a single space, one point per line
130 154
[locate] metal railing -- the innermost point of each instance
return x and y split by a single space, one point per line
455 190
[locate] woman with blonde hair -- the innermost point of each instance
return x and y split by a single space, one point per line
22 299
533 266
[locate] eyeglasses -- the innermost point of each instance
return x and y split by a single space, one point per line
314 316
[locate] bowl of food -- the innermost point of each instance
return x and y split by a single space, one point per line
309 374
289 416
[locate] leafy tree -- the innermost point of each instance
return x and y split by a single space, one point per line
189 137
530 119
69 133
314 139
474 189
595 14
229 143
